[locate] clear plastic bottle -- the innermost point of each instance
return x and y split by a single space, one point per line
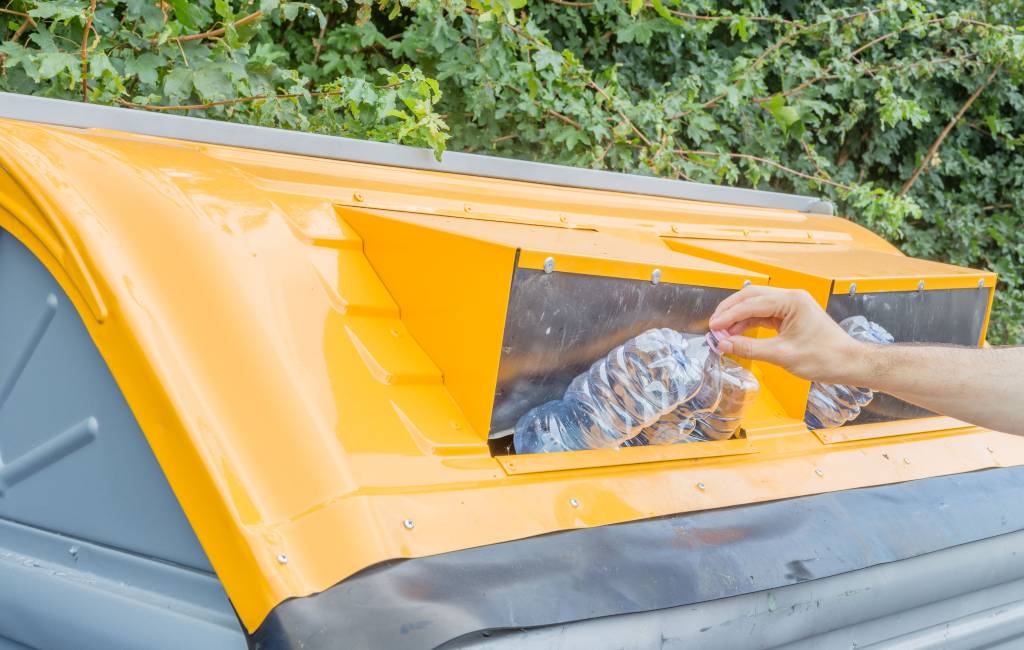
739 390
715 411
833 405
621 394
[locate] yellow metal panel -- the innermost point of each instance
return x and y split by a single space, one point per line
252 332
566 460
452 292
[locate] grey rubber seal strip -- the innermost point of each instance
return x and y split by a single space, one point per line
647 565
76 114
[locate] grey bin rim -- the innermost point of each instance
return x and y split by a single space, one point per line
208 131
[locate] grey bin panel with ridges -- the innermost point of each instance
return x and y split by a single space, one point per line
86 513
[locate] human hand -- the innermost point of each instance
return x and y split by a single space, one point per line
809 343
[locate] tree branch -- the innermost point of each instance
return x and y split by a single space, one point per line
85 51
222 102
214 33
20 14
764 161
932 150
621 114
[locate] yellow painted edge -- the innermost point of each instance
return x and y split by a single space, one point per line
931 282
891 429
589 458
565 263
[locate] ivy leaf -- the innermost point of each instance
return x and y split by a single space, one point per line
53 63
183 10
144 67
178 83
211 83
784 114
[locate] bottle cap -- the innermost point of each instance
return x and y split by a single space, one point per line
714 337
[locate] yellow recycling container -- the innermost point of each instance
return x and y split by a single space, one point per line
325 345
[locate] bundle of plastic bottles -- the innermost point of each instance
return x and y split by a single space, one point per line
833 405
660 387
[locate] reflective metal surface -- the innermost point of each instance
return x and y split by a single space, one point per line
948 316
560 323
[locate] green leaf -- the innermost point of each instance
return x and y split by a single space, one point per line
178 83
212 83
184 12
635 6
784 114
144 67
52 64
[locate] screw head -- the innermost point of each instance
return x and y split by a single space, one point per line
981 283
990 450
906 461
853 288
358 196
920 285
701 486
747 283
409 524
818 471
282 558
574 502
655 276
73 551
549 265
562 218
675 228
467 208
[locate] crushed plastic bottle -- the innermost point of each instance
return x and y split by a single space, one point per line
833 405
621 394
715 411
739 390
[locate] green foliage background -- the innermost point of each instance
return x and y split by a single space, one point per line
909 114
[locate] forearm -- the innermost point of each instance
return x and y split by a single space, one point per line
981 386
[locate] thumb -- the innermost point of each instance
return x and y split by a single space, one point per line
750 348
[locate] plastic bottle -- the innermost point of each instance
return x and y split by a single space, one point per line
715 411
833 405
621 394
739 390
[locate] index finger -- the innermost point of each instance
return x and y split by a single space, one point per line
743 294
761 306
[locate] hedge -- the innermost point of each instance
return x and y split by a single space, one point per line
908 114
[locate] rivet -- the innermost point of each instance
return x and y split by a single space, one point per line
409 524
810 235
920 285
701 486
73 551
853 288
906 461
817 470
981 283
675 228
549 265
282 558
655 276
467 208
358 196
574 503
747 283
563 218
746 233
990 450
